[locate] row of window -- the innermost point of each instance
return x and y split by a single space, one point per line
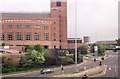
28 36
38 21
26 26
73 41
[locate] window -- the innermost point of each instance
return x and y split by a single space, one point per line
46 46
10 35
37 36
54 39
10 26
19 26
2 36
46 36
58 4
19 35
54 34
60 40
36 27
28 35
46 27
60 47
27 26
54 47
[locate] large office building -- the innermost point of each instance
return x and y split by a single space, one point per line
48 29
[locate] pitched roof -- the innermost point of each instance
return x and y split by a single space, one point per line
25 15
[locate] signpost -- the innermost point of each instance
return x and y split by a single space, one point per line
96 50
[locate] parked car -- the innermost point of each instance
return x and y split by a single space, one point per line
46 71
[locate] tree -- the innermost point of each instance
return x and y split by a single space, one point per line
118 41
84 49
37 58
30 47
9 62
51 58
39 48
101 48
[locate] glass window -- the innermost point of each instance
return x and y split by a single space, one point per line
27 26
10 26
46 36
37 36
19 26
2 36
36 27
19 35
28 35
46 27
10 35
58 4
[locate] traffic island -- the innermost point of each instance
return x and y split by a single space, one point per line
93 72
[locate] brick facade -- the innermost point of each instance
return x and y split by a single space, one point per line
48 29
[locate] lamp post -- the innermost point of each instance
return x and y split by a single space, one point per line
76 35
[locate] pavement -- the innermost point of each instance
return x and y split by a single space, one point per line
92 72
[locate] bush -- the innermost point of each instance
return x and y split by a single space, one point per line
66 60
84 49
8 70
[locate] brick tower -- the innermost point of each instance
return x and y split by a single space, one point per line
59 14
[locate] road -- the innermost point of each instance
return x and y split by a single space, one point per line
112 65
111 62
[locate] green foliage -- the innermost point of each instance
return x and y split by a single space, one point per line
84 49
3 44
66 60
30 47
39 48
101 49
118 41
51 59
9 62
34 58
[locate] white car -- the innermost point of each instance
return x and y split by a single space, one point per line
46 71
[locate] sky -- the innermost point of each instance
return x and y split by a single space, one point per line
95 18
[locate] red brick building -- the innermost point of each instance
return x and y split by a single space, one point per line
48 29
71 43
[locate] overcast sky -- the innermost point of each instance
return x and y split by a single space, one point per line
95 18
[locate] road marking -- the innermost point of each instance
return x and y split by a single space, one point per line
109 68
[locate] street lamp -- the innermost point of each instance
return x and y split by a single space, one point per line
76 35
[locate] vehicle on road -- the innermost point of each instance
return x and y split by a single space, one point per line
46 71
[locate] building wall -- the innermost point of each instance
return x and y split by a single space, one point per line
61 13
56 23
86 39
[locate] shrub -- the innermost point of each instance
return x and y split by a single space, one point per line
66 60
